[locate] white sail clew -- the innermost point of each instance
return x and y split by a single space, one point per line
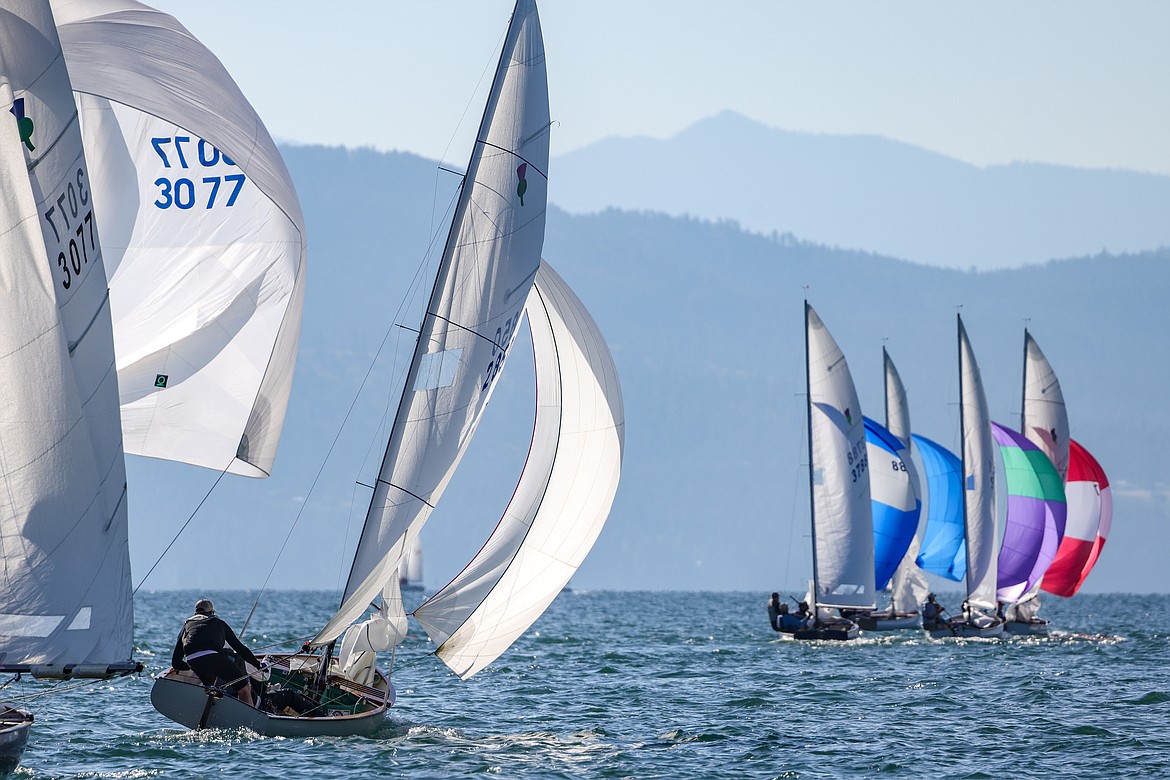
1044 417
909 585
489 262
563 496
843 569
204 238
978 480
65 579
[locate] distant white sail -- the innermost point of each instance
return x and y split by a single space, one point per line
562 500
205 241
909 584
486 272
65 579
842 524
978 480
1044 417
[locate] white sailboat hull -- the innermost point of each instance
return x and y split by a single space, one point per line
181 697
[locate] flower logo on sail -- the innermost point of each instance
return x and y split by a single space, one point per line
23 123
522 185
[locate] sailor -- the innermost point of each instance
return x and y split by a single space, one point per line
932 613
788 623
200 648
774 610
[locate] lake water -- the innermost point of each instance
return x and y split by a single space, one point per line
670 685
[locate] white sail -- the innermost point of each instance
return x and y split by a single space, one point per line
1044 419
909 585
978 480
65 581
489 262
563 497
411 571
842 524
204 238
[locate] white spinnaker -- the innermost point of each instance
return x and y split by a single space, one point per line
65 580
562 499
842 520
489 262
1044 417
910 586
204 238
978 480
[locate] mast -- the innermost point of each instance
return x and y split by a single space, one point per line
1024 386
812 504
886 386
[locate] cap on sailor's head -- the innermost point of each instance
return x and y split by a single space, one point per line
930 597
204 607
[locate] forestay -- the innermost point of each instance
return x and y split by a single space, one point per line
978 480
842 525
1036 512
1044 417
204 238
65 582
489 262
563 496
944 547
1090 515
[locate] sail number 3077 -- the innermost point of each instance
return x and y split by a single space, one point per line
183 192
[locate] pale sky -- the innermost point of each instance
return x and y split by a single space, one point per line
1082 83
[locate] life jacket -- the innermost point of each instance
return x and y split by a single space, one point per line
201 633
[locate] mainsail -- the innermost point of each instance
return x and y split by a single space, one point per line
1044 419
944 548
843 573
488 265
1036 512
895 501
909 585
563 497
204 238
1090 514
65 582
978 460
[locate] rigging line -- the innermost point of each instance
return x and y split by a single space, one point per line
183 528
61 688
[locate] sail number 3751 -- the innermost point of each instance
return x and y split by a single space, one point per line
500 346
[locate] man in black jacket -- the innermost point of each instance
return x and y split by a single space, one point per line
200 648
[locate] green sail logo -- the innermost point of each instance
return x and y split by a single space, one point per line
522 185
23 123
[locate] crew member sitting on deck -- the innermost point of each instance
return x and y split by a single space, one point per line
932 614
200 648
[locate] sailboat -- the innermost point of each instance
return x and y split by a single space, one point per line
896 509
489 276
842 526
410 573
65 607
977 467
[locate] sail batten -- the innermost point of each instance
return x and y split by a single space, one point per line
490 259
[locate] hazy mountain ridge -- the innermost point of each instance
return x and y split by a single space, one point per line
705 323
870 193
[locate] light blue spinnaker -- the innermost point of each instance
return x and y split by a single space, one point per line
944 549
894 500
